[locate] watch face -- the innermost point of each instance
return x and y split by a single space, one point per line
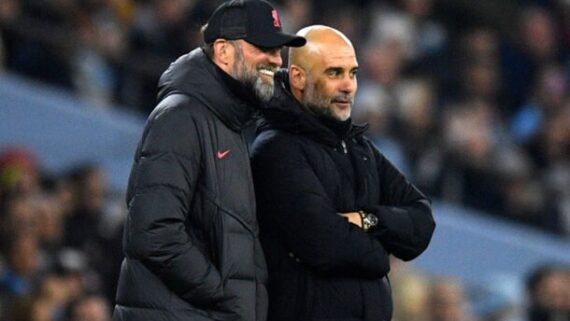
371 219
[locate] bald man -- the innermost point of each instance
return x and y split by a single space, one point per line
331 207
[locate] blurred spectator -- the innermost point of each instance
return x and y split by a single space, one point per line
101 47
472 146
85 228
481 44
415 126
410 298
371 109
550 146
90 308
38 42
54 294
535 46
524 198
551 151
548 289
159 34
447 301
18 171
47 303
22 266
384 62
564 8
36 215
9 10
480 81
411 290
17 215
31 309
296 14
411 27
548 97
49 217
499 298
89 194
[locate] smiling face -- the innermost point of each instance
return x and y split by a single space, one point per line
323 75
253 66
256 67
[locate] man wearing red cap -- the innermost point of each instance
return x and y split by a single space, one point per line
191 236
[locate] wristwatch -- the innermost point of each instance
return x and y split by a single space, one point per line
369 220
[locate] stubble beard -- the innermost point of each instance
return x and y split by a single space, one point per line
321 104
250 77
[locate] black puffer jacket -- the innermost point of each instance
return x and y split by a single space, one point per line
190 239
306 170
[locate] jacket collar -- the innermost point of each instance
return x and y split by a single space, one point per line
285 112
195 75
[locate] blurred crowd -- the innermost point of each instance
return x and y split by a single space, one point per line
60 255
468 98
60 244
544 296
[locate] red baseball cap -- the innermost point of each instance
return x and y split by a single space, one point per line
254 21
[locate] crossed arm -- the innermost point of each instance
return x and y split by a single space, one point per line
405 222
291 197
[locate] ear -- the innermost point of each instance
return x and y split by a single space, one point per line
297 77
223 53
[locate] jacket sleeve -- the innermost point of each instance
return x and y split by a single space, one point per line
161 187
406 223
291 197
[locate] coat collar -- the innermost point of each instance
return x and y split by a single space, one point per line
195 75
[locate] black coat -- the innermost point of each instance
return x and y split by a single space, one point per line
190 239
305 172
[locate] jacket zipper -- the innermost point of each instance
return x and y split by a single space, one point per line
343 144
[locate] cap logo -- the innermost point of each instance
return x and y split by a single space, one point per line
276 22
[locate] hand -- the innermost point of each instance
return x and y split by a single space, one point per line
353 217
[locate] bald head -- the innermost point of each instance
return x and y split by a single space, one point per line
321 40
322 73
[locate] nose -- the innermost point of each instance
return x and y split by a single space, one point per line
274 57
348 84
